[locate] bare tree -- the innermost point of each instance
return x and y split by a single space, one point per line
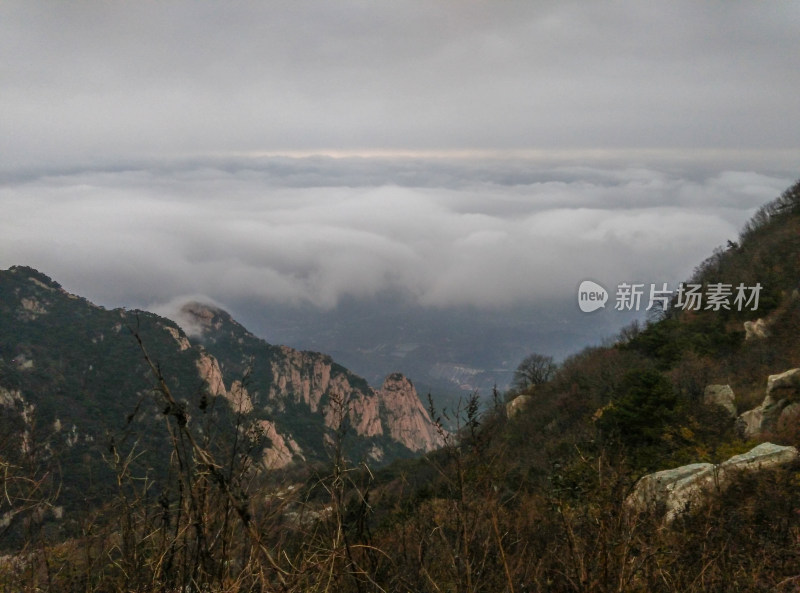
534 369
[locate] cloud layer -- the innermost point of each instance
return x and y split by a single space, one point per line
290 232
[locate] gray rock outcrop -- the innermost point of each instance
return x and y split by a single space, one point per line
783 390
675 491
406 419
722 396
784 384
671 489
516 405
751 423
755 330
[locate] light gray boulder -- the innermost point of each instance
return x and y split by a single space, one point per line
783 390
516 405
722 396
671 490
784 384
764 456
676 491
755 330
751 423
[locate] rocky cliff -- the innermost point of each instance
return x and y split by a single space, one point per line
285 378
407 420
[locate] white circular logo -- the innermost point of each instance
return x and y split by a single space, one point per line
591 296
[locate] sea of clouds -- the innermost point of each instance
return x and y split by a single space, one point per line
439 233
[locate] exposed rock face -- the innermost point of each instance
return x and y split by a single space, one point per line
282 450
182 340
197 318
395 410
755 330
722 396
677 490
208 367
764 456
364 415
783 385
751 423
313 380
9 397
517 404
782 390
672 488
237 395
33 306
15 404
239 398
306 377
310 378
22 362
407 419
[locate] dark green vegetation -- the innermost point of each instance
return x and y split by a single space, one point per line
531 502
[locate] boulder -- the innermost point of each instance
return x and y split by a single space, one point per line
751 423
755 330
764 456
671 490
722 396
784 385
517 404
675 491
783 390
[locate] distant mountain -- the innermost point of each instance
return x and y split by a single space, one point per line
74 381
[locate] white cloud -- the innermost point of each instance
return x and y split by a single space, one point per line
135 238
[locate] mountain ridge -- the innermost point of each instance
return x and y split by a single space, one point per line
73 370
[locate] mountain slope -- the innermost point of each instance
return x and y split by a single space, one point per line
74 381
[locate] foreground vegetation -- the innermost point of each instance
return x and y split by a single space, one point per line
534 502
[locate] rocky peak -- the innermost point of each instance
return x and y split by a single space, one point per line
35 276
406 419
206 321
398 383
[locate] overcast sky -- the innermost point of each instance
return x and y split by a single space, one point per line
459 152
